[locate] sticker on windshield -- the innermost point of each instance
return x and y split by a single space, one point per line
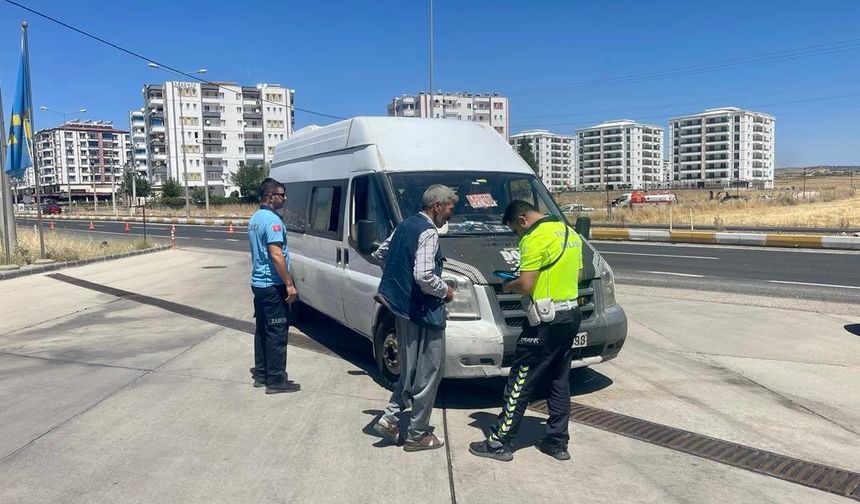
484 200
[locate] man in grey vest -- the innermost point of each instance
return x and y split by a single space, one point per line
413 289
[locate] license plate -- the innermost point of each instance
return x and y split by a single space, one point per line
580 340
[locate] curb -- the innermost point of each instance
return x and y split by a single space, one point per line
149 220
716 238
42 268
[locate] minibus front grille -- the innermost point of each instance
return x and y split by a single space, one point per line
512 309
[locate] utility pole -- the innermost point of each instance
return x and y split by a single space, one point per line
10 236
431 58
804 183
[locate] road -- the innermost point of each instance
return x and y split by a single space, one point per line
802 274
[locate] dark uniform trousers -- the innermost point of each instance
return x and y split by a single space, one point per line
270 337
543 355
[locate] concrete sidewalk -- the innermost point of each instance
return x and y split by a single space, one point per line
113 400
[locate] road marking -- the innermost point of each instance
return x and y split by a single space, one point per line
815 284
674 274
660 255
208 239
231 239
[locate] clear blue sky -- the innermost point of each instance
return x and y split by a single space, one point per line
351 57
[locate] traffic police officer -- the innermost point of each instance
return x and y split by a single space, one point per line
273 288
550 270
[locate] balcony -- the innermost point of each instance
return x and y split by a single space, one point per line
253 142
251 115
210 124
212 141
211 114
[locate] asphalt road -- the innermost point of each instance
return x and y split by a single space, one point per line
803 274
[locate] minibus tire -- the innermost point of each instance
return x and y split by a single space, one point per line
385 341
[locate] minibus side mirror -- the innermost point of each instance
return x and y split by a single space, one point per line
366 238
583 227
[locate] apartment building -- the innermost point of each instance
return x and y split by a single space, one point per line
489 108
209 130
139 152
81 157
666 176
555 157
620 154
723 147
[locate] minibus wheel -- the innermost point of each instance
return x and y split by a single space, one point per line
387 352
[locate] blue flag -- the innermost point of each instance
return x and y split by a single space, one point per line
21 130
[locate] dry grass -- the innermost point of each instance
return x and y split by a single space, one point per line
62 248
829 202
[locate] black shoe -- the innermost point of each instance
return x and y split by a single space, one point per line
483 449
283 387
556 451
259 382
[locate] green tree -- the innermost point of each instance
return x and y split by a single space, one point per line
248 178
198 195
126 187
171 188
525 151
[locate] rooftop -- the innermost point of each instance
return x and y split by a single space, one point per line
722 111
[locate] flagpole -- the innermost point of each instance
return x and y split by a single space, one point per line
9 231
31 143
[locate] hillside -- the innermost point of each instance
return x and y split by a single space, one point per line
816 171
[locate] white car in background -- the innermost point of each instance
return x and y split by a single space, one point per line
576 207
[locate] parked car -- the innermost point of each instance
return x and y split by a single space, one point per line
348 184
576 207
51 209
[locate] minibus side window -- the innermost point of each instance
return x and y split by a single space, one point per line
522 189
295 213
367 203
325 212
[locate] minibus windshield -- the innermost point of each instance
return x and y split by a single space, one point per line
483 197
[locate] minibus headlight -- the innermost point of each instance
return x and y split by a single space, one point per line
607 282
465 304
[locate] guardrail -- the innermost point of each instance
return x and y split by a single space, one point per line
719 238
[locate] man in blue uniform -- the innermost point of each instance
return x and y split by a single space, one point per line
273 288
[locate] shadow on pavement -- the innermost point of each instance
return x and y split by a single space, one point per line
530 432
853 329
487 393
478 393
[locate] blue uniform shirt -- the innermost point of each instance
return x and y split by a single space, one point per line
264 228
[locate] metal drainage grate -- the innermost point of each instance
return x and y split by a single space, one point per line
821 477
297 340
